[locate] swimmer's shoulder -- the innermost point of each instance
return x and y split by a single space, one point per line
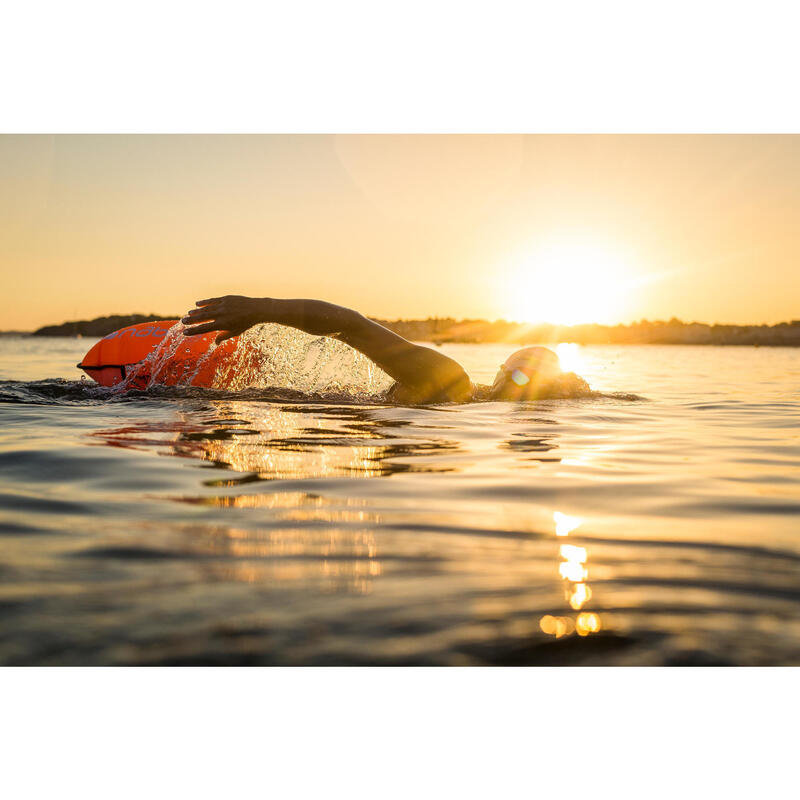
425 376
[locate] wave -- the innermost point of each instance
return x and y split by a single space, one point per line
57 391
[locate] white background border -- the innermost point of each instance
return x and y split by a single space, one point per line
411 66
398 733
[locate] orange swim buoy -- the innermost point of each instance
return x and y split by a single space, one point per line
123 355
111 359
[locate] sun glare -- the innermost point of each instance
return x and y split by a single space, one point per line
570 357
567 285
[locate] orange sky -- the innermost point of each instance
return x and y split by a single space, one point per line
543 228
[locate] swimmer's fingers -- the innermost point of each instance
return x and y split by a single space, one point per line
229 315
215 307
198 329
228 301
199 315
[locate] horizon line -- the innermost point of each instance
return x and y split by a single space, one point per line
500 320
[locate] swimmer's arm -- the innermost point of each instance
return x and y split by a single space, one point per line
419 370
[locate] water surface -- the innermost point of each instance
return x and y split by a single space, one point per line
183 526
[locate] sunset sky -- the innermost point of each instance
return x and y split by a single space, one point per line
534 228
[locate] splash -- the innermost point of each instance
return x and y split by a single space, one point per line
266 356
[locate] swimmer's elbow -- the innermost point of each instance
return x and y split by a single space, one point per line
459 387
448 383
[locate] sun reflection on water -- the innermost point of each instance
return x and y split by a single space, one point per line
557 626
330 560
574 571
579 595
587 623
565 524
327 542
572 568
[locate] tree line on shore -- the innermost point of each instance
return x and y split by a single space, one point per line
672 331
440 330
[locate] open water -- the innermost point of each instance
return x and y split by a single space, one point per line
310 523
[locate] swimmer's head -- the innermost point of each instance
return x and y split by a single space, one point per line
524 373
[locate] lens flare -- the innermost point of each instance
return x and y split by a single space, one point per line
520 378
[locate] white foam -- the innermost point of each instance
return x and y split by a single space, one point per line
272 356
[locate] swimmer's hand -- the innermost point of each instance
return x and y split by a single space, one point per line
230 315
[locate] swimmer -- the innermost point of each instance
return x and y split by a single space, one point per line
421 375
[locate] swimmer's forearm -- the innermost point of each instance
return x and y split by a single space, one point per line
234 314
388 350
312 316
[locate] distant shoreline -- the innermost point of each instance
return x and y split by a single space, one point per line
448 330
441 331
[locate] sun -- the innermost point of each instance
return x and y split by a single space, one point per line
567 285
